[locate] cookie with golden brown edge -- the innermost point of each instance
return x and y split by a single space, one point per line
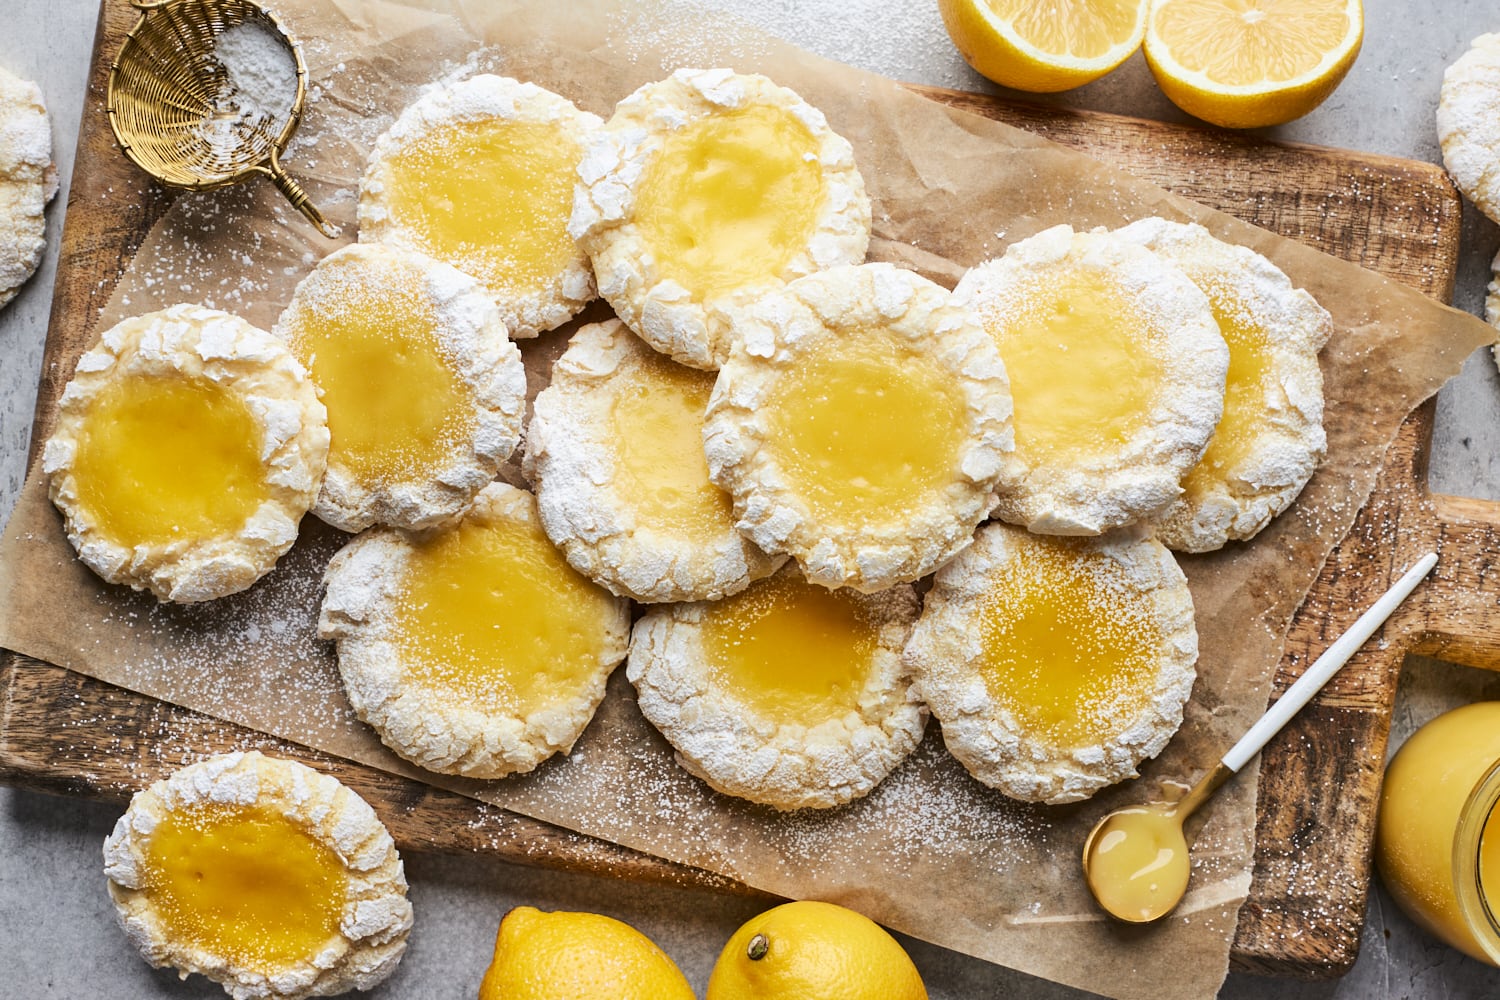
788 694
1056 665
706 189
187 447
615 449
472 649
261 874
425 391
861 425
480 174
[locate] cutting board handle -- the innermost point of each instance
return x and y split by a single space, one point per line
1459 612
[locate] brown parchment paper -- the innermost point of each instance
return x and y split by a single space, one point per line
930 852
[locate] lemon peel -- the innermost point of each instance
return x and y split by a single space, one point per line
1044 48
577 956
810 948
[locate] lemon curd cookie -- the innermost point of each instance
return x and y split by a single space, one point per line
28 181
1117 369
787 694
263 875
1468 123
424 390
1271 438
860 425
187 448
480 174
473 649
615 448
706 189
1056 665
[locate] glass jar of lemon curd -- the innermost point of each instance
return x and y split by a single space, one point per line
1437 839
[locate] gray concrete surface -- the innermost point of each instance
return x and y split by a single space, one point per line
57 932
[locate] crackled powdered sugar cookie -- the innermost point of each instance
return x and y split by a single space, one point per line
860 425
1270 438
615 448
1468 123
787 694
1117 369
473 649
480 174
187 448
1056 665
424 390
262 874
28 181
706 189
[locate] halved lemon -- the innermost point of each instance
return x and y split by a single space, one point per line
1045 47
1247 63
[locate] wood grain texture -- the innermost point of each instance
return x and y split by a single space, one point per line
65 733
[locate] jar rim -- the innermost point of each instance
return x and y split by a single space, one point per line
1473 904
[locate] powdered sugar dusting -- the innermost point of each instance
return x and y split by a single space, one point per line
256 96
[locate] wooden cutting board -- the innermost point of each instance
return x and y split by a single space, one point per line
66 733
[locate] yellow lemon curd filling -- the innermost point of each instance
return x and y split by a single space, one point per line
1069 650
731 199
1083 379
492 616
658 437
866 430
397 409
244 883
492 198
164 458
796 652
1249 381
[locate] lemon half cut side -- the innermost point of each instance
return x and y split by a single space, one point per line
1045 47
1250 63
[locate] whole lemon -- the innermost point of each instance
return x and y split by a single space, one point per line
813 951
577 956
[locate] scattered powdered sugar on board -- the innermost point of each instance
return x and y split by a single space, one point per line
212 659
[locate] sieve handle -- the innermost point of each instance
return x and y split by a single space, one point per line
299 199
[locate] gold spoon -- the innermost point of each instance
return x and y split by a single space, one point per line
1135 860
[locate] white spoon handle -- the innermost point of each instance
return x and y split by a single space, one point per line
1325 666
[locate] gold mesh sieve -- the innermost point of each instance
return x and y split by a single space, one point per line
168 101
